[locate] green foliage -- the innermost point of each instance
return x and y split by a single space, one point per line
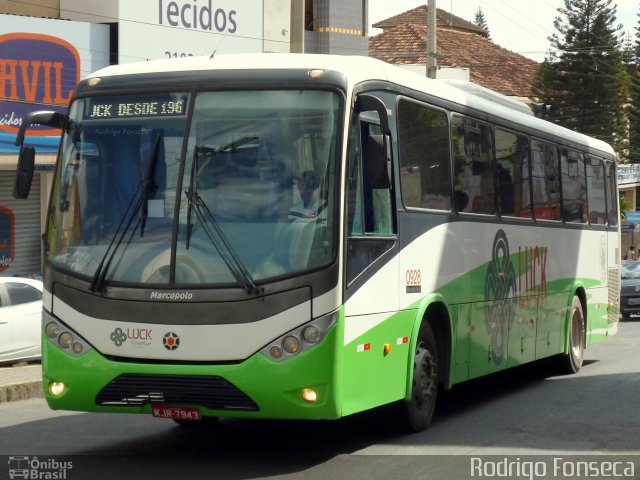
633 108
583 77
482 23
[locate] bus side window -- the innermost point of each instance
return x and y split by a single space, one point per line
369 199
612 194
574 187
546 180
512 163
596 190
472 147
425 169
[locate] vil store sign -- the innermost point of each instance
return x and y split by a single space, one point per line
36 72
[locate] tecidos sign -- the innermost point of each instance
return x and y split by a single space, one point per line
36 71
185 28
204 16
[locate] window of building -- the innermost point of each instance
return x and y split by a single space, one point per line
309 15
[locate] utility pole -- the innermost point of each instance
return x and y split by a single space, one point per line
432 60
297 26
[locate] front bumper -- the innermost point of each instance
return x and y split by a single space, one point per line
265 388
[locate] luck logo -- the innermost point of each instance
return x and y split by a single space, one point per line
118 337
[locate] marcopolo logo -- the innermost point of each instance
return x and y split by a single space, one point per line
155 295
35 69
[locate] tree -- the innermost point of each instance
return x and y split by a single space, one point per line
583 77
633 108
482 23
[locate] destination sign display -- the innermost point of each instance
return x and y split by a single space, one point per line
129 107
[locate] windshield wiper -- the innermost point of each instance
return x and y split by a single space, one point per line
218 239
211 228
137 203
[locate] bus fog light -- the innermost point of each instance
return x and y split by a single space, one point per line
65 340
311 334
309 395
291 344
275 351
52 330
56 388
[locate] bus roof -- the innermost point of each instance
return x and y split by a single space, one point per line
358 69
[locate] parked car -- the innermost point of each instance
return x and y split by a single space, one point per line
20 319
630 289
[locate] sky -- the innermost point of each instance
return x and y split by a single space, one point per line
521 26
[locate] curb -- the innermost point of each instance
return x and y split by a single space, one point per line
20 382
20 391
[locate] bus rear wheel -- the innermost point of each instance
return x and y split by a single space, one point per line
418 411
572 361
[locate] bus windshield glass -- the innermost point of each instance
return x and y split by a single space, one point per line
227 188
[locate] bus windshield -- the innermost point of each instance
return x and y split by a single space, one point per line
227 188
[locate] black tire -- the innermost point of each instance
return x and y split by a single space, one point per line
205 422
417 412
571 361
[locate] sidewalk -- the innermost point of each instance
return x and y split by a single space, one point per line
20 382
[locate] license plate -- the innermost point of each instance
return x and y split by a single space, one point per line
634 301
175 413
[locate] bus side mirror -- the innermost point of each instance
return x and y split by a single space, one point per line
378 146
24 173
377 162
42 117
27 155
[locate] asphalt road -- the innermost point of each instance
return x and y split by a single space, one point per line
515 414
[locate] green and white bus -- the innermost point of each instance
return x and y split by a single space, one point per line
301 236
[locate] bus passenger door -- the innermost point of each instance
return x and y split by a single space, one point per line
370 377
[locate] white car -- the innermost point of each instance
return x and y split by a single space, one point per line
20 319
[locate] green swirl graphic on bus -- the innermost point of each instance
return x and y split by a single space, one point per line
500 288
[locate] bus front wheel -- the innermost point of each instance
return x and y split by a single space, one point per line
418 410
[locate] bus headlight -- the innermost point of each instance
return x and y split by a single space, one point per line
311 334
291 344
52 330
65 340
300 339
63 337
